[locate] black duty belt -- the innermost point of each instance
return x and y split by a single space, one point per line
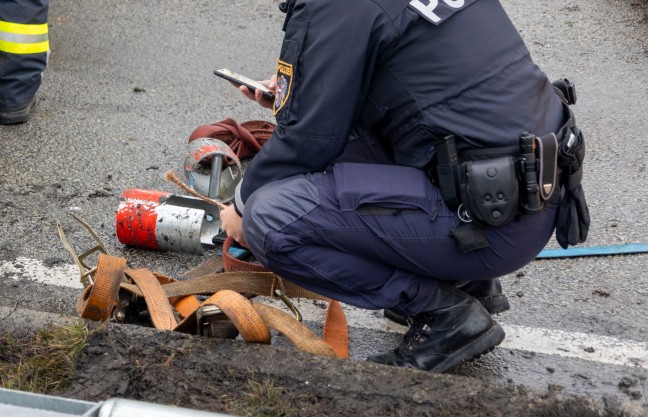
535 160
489 186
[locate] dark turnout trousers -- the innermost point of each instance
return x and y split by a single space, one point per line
24 46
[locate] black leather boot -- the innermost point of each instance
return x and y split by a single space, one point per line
457 328
487 292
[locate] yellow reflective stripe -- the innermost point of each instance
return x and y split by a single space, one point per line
24 48
22 29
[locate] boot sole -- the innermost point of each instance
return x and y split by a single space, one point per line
494 304
481 345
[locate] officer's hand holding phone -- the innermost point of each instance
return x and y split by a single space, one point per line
260 91
257 95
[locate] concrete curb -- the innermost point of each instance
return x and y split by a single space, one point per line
20 321
125 361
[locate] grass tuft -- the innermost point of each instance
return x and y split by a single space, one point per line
42 362
263 399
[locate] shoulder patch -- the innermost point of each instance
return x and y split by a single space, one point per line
437 11
284 85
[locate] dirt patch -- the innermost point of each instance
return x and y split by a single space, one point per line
233 377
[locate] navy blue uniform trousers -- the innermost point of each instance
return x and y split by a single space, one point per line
375 235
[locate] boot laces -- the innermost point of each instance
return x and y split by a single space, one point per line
419 326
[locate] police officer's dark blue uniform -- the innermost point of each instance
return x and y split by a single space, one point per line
24 45
339 200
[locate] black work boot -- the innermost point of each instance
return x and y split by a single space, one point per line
17 115
457 328
487 292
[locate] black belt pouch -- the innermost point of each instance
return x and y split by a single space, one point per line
490 193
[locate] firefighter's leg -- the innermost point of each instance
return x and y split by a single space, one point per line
24 46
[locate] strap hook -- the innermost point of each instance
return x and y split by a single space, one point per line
282 296
86 272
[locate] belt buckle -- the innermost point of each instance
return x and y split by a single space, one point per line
86 272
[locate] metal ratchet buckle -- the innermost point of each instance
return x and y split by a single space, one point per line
86 272
211 321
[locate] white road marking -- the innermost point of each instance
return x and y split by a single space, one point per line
589 347
583 346
577 345
65 275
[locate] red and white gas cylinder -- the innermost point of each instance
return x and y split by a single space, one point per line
165 221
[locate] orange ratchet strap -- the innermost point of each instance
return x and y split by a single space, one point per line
166 297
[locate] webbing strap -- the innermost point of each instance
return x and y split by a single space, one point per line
184 305
159 309
299 335
244 316
100 299
263 283
257 283
230 263
252 320
336 330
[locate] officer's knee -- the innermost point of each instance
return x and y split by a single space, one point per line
274 206
254 224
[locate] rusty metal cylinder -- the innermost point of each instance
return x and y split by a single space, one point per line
219 180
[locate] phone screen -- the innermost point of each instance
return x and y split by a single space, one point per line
243 80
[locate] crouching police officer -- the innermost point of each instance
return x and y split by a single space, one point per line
24 46
400 175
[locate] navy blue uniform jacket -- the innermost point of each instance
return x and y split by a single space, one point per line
381 65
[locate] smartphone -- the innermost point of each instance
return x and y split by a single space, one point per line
239 79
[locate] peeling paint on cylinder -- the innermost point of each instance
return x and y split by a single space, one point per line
166 221
136 223
180 228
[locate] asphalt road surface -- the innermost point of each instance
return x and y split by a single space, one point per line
127 83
